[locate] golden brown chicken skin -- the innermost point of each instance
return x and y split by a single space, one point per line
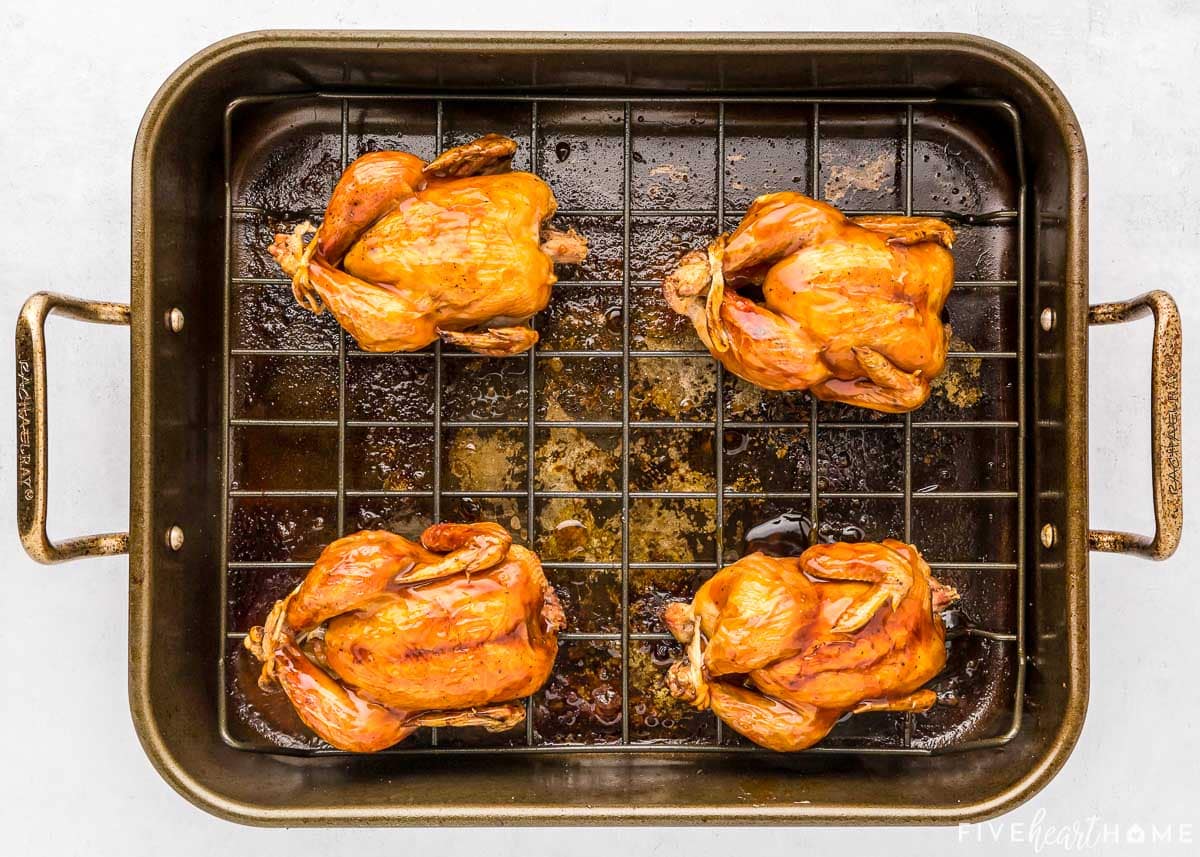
385 635
780 648
851 307
409 252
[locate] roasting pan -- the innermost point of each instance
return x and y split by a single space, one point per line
259 433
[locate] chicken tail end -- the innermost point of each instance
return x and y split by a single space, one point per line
690 280
564 248
942 596
553 616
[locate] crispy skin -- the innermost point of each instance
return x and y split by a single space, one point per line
445 633
334 712
466 250
851 307
757 616
358 567
409 251
790 644
378 182
457 643
769 722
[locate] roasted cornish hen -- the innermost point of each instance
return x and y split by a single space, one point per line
409 251
780 648
385 635
851 307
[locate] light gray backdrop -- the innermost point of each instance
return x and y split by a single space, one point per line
75 81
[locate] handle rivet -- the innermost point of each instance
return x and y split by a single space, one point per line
1048 318
1049 535
175 320
175 538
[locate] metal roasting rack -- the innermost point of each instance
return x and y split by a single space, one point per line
724 742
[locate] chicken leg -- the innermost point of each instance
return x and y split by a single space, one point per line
742 635
770 723
334 712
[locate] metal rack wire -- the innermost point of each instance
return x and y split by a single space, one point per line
721 422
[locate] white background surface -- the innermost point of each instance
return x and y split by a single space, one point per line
75 84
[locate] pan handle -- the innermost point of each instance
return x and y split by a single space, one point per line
1166 426
31 427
